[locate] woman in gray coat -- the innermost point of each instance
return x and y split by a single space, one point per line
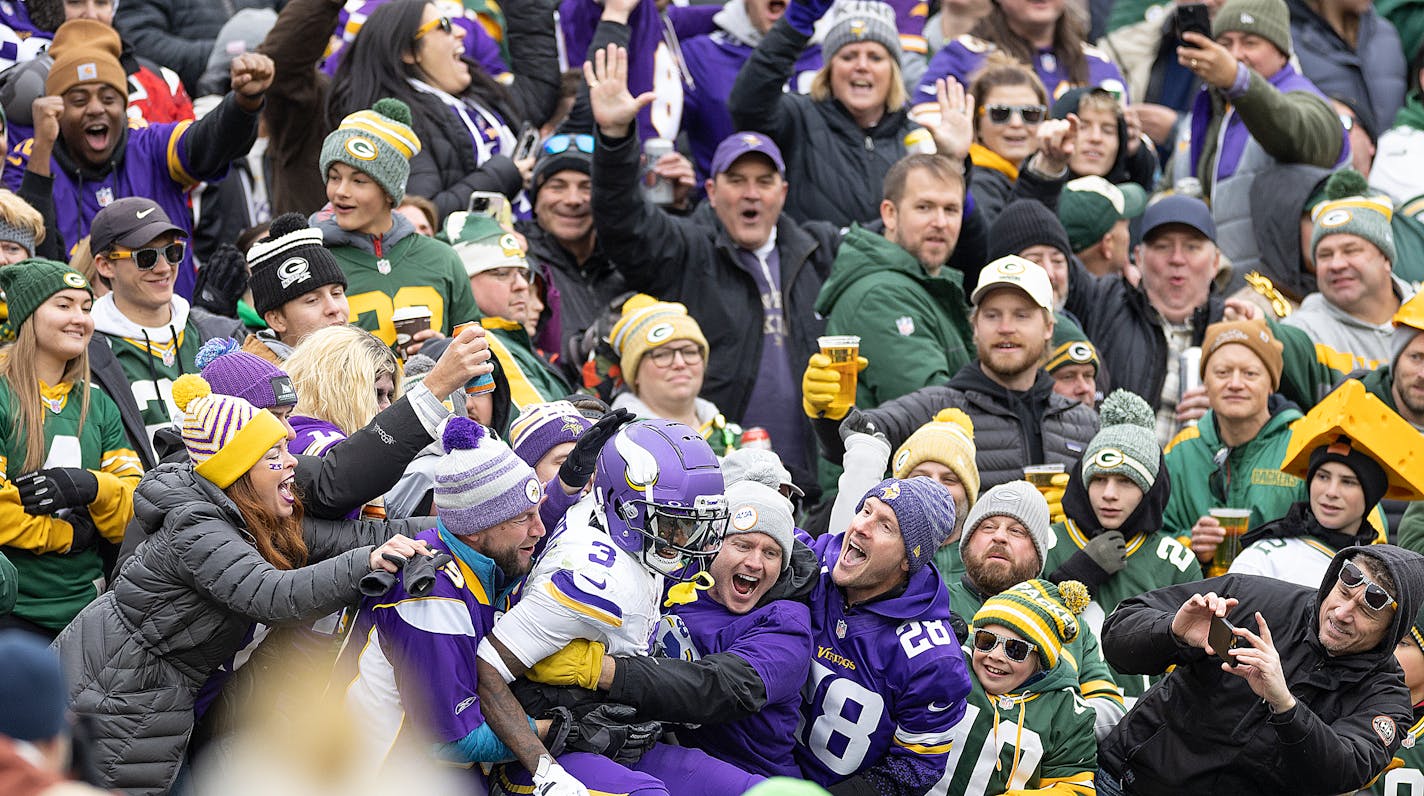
224 552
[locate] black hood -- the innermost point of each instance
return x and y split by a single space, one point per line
1146 518
1278 195
1069 102
1407 569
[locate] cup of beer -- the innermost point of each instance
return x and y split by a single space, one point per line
1234 523
843 351
1041 475
479 385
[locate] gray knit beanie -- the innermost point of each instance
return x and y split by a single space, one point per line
1269 19
862 20
1017 499
1127 443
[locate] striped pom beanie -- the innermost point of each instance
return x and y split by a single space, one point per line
646 324
947 439
378 142
542 426
479 482
1044 614
225 435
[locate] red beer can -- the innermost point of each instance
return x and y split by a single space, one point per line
757 438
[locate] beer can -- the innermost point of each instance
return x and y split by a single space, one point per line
479 385
756 438
657 190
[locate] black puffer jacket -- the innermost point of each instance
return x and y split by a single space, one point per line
1127 330
1003 442
181 606
179 34
1202 730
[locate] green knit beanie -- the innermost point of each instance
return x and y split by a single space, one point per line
29 283
378 142
1348 209
1269 19
1127 443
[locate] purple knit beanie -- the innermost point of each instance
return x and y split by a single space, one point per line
542 426
479 482
924 510
232 371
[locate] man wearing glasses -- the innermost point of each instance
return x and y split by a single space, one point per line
1311 703
152 331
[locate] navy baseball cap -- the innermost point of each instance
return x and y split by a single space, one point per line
743 143
1178 209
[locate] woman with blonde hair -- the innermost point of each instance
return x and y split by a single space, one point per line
343 377
69 470
21 228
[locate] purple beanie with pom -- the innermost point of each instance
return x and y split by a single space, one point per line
232 371
479 482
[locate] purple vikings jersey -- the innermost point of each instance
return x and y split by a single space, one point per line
313 437
776 640
887 680
962 57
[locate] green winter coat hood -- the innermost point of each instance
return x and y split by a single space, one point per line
864 254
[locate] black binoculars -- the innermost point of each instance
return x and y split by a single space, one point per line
419 573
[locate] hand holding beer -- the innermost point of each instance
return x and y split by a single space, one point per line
1234 523
1052 482
828 385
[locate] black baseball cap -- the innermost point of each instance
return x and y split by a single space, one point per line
1178 209
129 222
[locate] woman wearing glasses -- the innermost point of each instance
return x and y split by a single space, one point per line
1347 476
1010 106
468 122
69 469
663 357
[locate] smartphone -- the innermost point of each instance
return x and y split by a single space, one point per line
491 204
1192 18
528 139
1222 638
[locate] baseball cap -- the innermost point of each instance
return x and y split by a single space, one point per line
1178 209
1015 271
743 143
1090 206
129 222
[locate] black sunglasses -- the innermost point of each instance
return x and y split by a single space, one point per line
1376 598
147 259
443 23
1000 114
1016 649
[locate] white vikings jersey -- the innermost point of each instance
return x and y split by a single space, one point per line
583 586
1301 560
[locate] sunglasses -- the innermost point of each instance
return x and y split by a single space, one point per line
442 23
1376 598
1016 649
147 259
1000 114
559 144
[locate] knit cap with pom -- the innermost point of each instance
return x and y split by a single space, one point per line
292 262
378 142
1350 209
1126 443
479 482
225 435
948 440
1044 614
646 324
231 371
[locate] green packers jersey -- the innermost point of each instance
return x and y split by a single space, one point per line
1405 776
1154 560
1039 739
416 272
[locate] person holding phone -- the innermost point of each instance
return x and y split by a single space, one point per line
1314 705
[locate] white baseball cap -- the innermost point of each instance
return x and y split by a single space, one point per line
1015 271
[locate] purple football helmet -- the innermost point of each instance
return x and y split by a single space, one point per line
660 489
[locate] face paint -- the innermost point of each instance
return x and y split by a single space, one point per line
275 466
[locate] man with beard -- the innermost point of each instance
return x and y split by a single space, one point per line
893 291
1018 418
1003 545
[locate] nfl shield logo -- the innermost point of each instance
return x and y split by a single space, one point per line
105 196
840 628
905 324
168 356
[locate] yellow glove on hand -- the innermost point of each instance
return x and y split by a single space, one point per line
579 663
1054 495
821 386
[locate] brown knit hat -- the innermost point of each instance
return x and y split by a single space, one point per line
1255 335
85 51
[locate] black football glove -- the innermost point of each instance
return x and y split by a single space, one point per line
579 466
221 281
607 730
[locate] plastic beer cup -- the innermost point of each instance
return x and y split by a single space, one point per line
843 351
1234 523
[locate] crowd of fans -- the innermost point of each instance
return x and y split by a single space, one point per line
664 399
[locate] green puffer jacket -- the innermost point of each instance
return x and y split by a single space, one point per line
914 328
1250 477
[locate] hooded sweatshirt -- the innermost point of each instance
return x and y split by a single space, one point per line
152 356
913 327
1202 730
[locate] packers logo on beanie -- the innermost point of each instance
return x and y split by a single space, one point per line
378 142
1044 614
291 263
1349 209
1126 445
948 440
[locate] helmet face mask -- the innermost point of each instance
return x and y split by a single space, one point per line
660 488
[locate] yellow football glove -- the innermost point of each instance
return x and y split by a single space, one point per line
579 663
821 386
1054 495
